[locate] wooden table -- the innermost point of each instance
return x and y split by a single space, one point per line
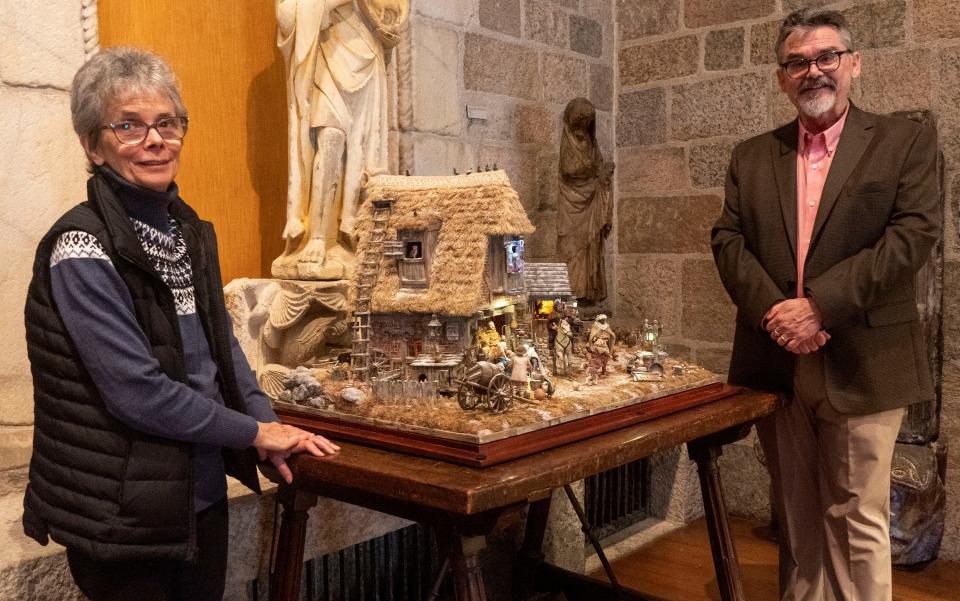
465 503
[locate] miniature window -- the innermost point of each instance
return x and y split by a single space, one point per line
413 250
413 267
453 331
544 307
514 256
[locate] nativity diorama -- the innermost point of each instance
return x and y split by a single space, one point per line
402 310
445 332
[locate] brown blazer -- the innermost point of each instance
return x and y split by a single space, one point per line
878 220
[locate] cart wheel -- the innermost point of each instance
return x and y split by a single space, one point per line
379 362
499 393
467 396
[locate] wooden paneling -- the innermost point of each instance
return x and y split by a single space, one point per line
234 166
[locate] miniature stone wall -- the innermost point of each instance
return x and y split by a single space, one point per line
522 61
391 333
694 78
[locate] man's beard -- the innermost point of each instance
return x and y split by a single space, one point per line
825 99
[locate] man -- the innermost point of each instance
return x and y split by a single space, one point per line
600 343
825 224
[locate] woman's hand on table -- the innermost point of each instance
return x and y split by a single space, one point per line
276 442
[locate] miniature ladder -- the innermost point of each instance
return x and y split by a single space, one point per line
366 281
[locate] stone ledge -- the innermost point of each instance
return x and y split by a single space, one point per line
31 572
630 539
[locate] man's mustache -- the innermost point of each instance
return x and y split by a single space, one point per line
822 81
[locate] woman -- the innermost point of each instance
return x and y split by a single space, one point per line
143 399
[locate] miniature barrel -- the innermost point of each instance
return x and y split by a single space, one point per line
483 371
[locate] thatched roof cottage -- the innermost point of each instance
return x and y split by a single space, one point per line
453 247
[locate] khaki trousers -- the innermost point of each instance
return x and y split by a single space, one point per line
831 488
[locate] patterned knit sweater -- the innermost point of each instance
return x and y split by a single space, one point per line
99 315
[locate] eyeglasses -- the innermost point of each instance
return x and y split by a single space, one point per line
826 62
134 132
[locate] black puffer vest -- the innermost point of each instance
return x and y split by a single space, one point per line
97 485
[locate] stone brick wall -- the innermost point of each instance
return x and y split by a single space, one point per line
41 175
694 78
522 60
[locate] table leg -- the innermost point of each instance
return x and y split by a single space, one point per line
465 565
285 583
705 452
531 552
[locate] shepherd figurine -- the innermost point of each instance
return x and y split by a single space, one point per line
563 348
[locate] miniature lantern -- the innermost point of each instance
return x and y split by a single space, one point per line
434 332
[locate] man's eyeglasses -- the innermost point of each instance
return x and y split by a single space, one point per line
134 132
826 62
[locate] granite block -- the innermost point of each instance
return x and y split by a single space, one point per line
491 65
763 38
665 59
649 171
642 118
639 18
669 224
586 36
708 313
501 15
719 107
544 23
723 49
643 282
697 13
709 163
878 24
601 86
935 19
564 77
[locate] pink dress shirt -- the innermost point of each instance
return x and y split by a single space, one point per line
814 155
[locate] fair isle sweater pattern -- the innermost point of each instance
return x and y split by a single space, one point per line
77 244
167 252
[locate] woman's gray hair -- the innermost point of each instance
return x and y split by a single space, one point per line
116 73
807 19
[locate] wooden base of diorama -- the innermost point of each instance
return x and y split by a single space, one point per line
481 453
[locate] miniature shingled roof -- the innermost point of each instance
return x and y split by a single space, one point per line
467 209
547 280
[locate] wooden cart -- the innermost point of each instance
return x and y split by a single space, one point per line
485 384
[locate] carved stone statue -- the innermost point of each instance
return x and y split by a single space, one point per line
585 212
303 321
335 53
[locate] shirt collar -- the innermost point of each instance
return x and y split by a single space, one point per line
831 134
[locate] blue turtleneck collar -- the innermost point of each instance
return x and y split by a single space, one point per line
143 204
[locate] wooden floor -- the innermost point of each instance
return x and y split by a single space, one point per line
679 567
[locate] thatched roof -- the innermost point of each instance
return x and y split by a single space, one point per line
547 280
468 209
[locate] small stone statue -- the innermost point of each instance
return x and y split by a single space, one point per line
585 201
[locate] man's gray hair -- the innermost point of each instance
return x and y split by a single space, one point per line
806 19
116 73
